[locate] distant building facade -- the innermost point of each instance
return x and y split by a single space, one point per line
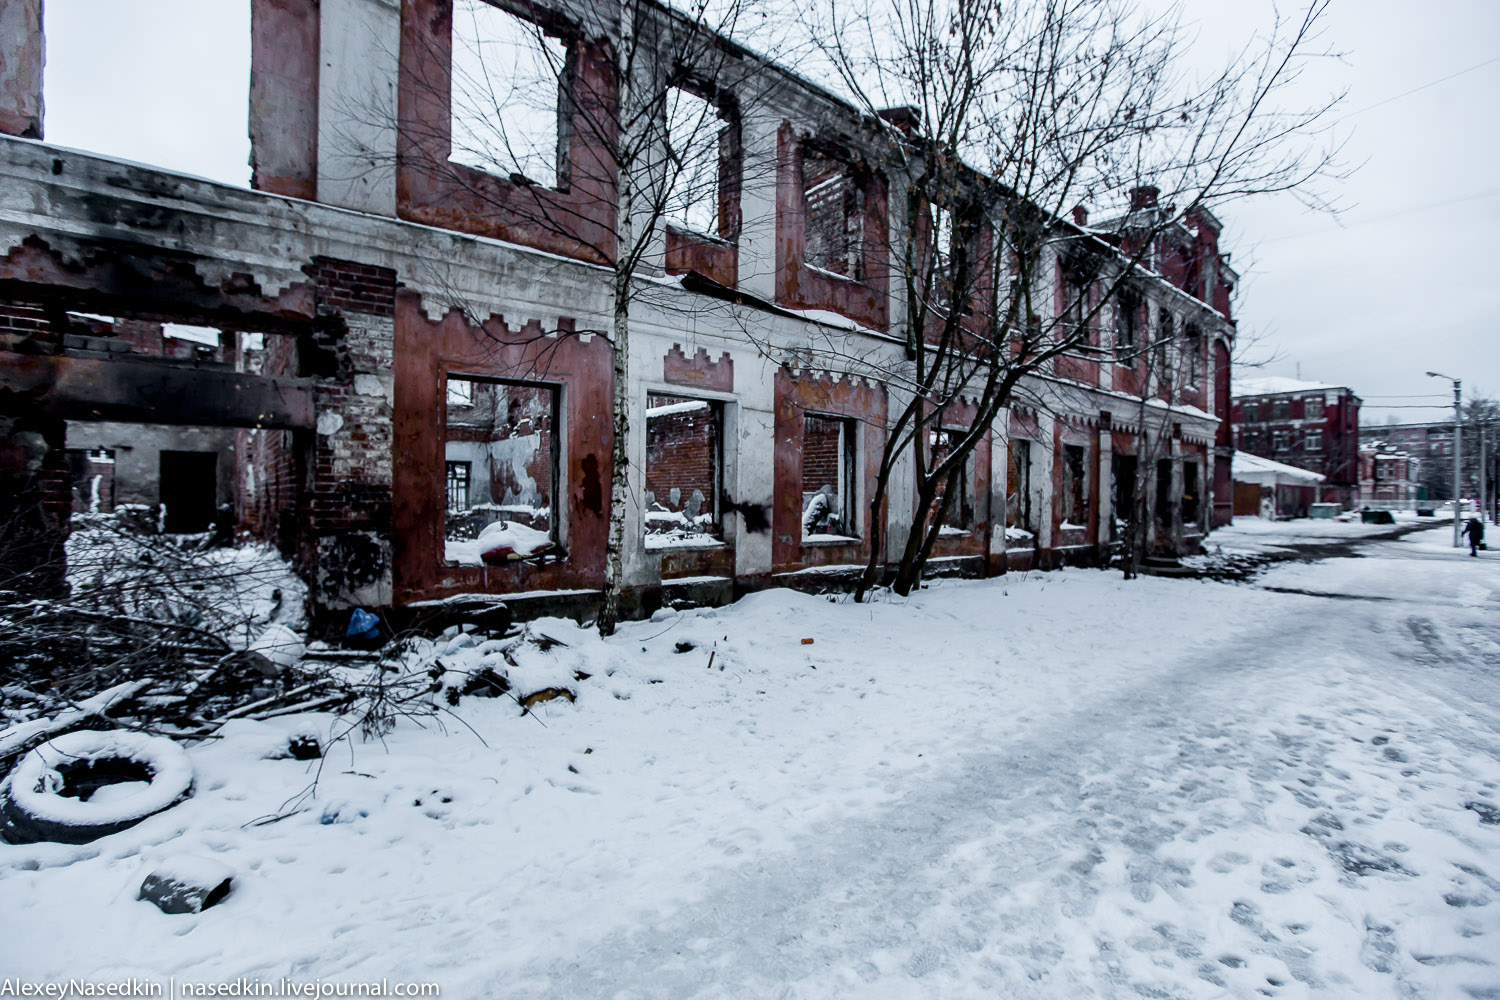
1389 477
1309 425
1431 445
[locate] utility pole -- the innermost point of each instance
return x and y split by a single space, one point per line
1458 448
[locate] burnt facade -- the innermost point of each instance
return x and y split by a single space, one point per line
427 360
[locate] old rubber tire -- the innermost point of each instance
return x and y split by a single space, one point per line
47 796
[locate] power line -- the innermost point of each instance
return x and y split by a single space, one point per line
1414 210
1415 90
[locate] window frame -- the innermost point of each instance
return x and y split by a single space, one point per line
728 146
855 215
967 508
717 533
848 485
1075 501
450 467
554 28
556 453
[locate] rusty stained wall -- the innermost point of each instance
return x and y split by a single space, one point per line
799 286
425 352
22 53
797 395
576 221
284 40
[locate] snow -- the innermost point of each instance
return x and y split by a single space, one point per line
33 783
232 592
670 409
1248 468
280 645
522 541
17 736
1270 385
682 540
1051 785
193 869
824 538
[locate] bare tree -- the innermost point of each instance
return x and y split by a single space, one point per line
1014 114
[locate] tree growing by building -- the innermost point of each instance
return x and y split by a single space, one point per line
1009 116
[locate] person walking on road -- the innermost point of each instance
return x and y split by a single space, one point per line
1475 530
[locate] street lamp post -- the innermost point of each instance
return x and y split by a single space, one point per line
1458 448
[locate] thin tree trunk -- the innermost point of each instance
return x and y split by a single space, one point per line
619 479
619 476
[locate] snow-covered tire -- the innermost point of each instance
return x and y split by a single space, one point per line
35 806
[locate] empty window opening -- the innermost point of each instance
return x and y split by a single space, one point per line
1193 346
1190 504
196 52
1164 345
1075 488
458 486
1127 319
834 209
1281 409
1020 529
698 142
1075 310
1249 414
1313 408
501 460
827 478
93 474
684 469
959 518
509 81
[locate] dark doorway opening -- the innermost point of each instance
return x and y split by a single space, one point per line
1122 488
188 489
1164 493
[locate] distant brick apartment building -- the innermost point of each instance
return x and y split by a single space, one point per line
1389 477
1431 444
1309 425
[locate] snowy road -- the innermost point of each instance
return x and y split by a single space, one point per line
1311 774
1064 786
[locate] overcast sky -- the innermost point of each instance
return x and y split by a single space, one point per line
1398 285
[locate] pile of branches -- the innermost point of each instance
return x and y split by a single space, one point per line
154 634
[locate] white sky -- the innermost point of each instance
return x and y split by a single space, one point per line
1399 285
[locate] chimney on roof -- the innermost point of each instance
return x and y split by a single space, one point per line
1144 197
1080 216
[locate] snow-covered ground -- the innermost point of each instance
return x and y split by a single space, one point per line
1053 785
1257 534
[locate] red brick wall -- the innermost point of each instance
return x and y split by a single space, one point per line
680 452
820 453
21 322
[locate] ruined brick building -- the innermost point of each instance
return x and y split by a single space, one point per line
408 358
